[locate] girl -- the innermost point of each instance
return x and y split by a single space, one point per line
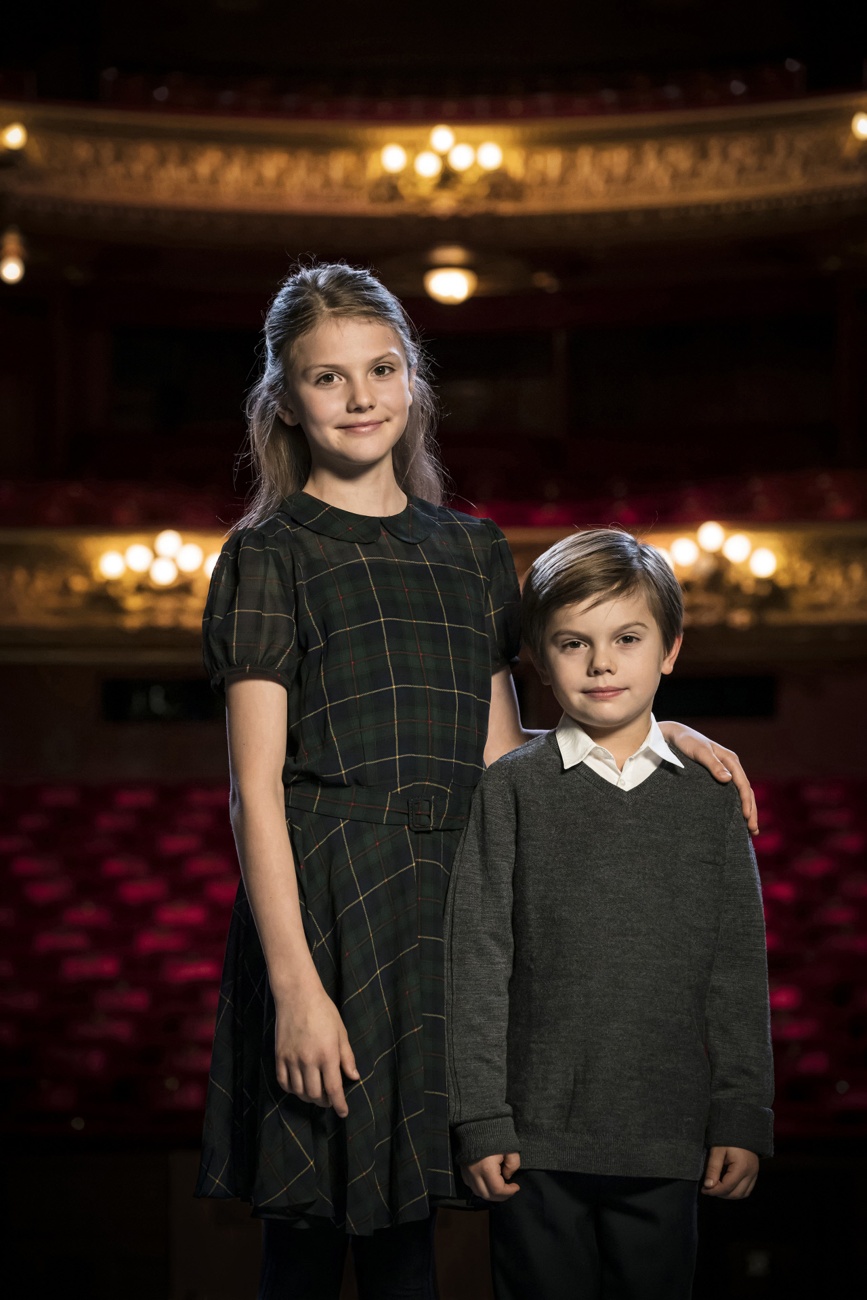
363 634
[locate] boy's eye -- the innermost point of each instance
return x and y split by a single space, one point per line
629 638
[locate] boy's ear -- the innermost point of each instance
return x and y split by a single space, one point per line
671 658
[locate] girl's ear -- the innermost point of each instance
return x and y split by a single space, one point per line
287 415
411 382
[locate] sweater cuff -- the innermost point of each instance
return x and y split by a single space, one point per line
484 1137
738 1124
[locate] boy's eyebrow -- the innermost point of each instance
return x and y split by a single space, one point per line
329 365
566 631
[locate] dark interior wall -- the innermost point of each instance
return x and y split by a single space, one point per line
55 728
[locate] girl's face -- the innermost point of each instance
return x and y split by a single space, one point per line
349 389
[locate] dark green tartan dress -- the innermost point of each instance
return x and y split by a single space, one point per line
385 633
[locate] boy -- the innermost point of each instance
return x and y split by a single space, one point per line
609 1026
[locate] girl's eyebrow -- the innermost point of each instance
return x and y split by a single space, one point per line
325 365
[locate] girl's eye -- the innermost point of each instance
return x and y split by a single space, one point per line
382 370
326 379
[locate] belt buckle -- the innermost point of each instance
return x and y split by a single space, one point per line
421 814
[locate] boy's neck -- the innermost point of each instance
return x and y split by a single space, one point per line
621 742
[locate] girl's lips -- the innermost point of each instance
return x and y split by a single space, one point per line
364 426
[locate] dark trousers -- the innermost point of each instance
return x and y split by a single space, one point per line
307 1263
567 1236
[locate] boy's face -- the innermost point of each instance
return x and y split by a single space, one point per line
603 665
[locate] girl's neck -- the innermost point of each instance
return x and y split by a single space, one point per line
374 493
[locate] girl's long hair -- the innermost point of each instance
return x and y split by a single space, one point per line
279 454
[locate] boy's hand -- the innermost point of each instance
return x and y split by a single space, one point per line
731 1172
722 763
487 1178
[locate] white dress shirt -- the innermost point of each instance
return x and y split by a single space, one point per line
577 747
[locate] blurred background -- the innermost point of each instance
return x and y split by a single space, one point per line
634 237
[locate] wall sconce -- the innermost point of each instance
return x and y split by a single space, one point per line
167 560
12 256
443 161
14 136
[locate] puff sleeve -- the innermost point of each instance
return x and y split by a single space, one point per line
249 626
504 602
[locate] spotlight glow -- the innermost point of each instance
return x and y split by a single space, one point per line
138 557
14 136
462 157
737 547
442 138
489 156
428 164
163 571
450 284
763 562
168 543
711 536
393 158
684 552
859 126
211 563
111 564
189 558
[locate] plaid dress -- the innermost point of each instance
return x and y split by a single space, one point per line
385 633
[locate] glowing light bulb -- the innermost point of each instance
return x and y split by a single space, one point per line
11 269
462 157
14 136
428 164
489 156
450 284
111 564
163 571
737 547
684 552
859 126
763 562
442 138
189 557
138 557
168 542
211 563
711 536
393 158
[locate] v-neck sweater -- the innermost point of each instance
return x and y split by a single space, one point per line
607 1003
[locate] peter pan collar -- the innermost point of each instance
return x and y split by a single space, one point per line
413 524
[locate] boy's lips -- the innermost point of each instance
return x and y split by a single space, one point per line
605 692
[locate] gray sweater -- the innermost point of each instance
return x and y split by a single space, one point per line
607 980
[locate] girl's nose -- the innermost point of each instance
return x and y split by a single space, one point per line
360 398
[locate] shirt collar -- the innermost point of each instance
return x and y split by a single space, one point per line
413 524
575 744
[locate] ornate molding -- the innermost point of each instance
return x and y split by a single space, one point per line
56 606
114 165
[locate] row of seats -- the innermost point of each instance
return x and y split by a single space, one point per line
393 100
110 956
796 496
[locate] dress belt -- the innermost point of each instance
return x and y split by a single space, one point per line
420 807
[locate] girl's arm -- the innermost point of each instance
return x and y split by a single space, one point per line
311 1042
505 733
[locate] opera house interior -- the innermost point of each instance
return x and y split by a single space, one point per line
634 240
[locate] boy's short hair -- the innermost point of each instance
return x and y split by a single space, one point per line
602 562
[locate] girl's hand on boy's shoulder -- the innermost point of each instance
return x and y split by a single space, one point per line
722 763
731 1173
488 1177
